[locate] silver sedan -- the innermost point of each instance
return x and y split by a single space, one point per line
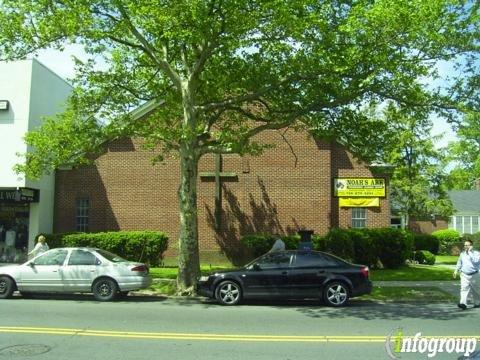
71 270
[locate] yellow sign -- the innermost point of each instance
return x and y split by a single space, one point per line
358 202
359 187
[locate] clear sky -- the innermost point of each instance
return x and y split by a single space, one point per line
62 64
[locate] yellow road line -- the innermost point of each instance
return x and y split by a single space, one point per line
207 337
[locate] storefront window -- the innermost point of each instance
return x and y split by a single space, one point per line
14 219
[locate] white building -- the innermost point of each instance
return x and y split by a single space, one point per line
466 219
28 92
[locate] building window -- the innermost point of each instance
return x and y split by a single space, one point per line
359 218
465 224
475 224
396 222
82 212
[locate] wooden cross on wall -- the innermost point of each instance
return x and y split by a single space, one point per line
218 175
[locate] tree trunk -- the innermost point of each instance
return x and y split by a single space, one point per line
188 259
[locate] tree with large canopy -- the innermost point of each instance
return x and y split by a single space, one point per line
465 154
419 180
226 70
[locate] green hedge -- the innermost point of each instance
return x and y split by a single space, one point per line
393 246
363 246
424 257
339 242
426 242
259 244
447 238
143 246
474 238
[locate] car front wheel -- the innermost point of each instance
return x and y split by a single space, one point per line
105 289
335 294
6 287
228 293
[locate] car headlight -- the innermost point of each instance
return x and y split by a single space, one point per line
203 278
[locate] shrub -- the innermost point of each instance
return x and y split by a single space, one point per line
258 244
339 242
424 257
319 242
54 240
145 246
364 247
474 238
291 241
426 242
393 245
446 237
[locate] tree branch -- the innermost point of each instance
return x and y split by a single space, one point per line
290 146
125 42
204 51
162 63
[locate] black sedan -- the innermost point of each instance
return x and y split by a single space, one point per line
289 275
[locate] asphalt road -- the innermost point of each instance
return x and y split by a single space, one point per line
77 327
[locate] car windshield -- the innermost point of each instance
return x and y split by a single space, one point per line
111 256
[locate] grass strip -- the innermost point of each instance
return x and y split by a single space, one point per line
406 294
413 273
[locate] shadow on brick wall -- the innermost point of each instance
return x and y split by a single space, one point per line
261 216
71 187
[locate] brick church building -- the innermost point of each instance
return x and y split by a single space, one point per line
290 187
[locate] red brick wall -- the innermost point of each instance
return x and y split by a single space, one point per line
344 164
286 189
427 226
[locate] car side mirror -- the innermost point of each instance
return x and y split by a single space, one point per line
256 267
31 264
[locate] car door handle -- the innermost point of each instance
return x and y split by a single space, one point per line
284 272
321 272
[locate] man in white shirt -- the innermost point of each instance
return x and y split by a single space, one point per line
468 265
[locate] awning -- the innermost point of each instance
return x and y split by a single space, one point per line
19 195
359 202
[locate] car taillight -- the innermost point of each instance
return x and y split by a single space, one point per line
364 270
140 268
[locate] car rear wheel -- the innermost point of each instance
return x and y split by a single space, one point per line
105 289
7 286
228 293
335 294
